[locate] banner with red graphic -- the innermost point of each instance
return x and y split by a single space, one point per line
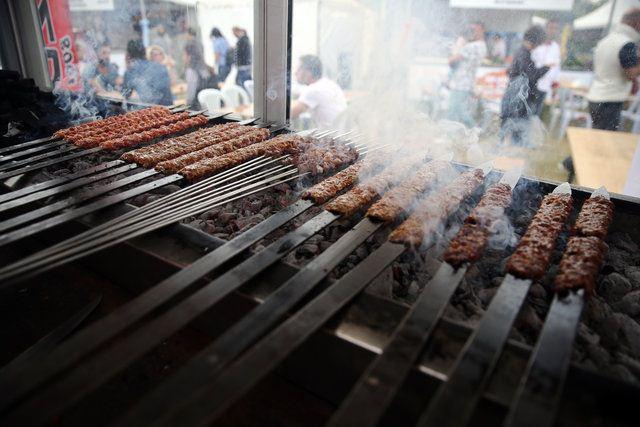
59 43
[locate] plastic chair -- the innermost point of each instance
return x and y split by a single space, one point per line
248 86
633 114
234 96
211 99
570 107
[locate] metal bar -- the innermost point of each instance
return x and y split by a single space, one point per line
212 400
84 210
536 401
455 400
46 163
16 386
57 181
49 341
28 144
33 159
204 367
74 200
164 203
104 365
31 151
65 187
376 388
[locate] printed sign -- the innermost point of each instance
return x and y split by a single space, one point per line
59 44
514 4
88 5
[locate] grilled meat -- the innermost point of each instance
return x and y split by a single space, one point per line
594 218
580 264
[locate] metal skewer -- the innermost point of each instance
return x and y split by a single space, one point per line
455 400
537 397
65 187
58 181
17 164
104 365
31 151
374 391
208 363
28 144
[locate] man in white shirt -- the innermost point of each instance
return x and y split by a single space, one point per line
321 97
545 54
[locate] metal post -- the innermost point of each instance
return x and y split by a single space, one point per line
272 59
614 3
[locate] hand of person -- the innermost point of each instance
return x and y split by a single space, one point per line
634 86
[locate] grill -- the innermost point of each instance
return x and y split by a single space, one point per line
300 295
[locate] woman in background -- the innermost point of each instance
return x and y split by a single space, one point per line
157 54
220 51
521 94
198 75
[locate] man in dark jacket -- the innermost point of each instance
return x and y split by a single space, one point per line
149 79
522 93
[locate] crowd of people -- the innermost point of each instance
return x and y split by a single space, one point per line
533 75
152 71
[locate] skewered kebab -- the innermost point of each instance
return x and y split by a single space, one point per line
148 135
400 198
263 357
542 384
166 290
244 140
467 246
585 250
93 137
533 254
457 398
146 337
364 194
111 121
374 391
175 147
429 214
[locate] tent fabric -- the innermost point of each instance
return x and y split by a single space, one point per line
599 18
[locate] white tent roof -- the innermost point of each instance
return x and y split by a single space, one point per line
599 18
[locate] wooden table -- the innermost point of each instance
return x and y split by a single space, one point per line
602 157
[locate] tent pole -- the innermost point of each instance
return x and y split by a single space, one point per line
613 8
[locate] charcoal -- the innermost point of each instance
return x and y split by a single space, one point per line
614 287
629 304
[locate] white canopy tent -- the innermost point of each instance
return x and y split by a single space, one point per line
599 18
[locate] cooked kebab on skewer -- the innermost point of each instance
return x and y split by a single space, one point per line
319 157
533 254
330 187
120 127
580 264
469 243
585 250
174 165
436 208
111 121
146 136
594 218
151 155
397 200
363 194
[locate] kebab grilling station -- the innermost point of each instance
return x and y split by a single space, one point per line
165 266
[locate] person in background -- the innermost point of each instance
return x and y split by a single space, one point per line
498 51
321 97
548 53
149 79
243 56
220 49
464 63
156 54
521 94
160 37
198 75
616 67
107 77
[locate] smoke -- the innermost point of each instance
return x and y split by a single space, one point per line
79 106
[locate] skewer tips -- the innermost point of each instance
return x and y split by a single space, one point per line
564 188
486 167
512 176
601 192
